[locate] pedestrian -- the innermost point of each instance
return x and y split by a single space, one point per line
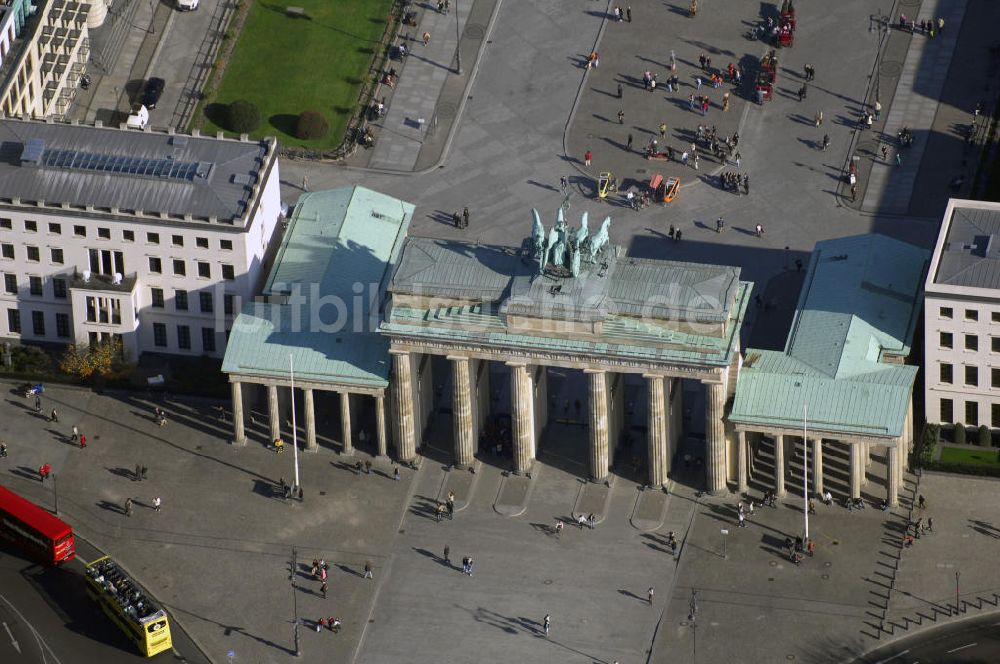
812 506
546 623
673 547
588 156
628 13
456 219
930 524
743 520
720 223
725 102
156 504
899 158
696 162
83 441
38 404
128 507
810 547
663 129
885 153
940 23
368 570
670 234
649 595
368 467
559 527
591 520
628 143
53 416
746 183
697 82
3 450
426 38
826 142
921 503
701 60
138 473
854 192
738 157
619 90
395 473
465 217
878 108
324 588
447 554
76 434
818 118
621 116
470 567
750 508
305 183
691 102
564 183
803 91
760 230
677 235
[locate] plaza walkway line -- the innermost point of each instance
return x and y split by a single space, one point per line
914 105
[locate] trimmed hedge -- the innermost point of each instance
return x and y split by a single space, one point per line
958 434
984 437
962 468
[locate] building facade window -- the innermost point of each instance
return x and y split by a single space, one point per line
228 303
104 233
228 272
14 321
155 266
153 238
204 270
201 242
30 226
971 375
946 373
38 323
181 300
226 245
7 250
35 286
995 316
972 413
208 339
971 314
6 224
995 344
946 340
179 268
994 377
995 415
62 326
10 283
80 231
947 411
946 312
184 337
206 302
971 342
33 254
59 288
128 236
156 295
56 255
160 335
55 229
177 240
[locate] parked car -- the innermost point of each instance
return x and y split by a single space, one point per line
151 93
187 5
139 117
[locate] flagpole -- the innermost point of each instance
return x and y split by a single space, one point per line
805 466
295 435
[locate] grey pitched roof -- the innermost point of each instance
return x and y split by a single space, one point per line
104 167
971 252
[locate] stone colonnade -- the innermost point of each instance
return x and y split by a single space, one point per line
307 390
529 414
860 451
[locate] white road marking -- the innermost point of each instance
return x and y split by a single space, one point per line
967 645
889 659
38 637
13 641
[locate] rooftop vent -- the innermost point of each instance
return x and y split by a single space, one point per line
241 178
31 155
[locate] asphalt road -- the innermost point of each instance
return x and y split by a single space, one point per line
973 641
46 617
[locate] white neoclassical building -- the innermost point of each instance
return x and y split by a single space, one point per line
962 318
154 238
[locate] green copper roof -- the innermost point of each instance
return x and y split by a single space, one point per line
323 292
859 304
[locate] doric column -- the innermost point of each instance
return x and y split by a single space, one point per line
239 432
345 423
310 409
380 437
402 406
741 462
817 452
857 467
273 416
598 381
461 409
715 435
522 398
656 436
892 472
779 466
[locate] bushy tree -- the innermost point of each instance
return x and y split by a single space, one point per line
959 436
310 125
242 116
85 362
985 438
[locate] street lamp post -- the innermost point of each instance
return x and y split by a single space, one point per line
295 600
693 617
958 605
724 531
458 41
55 492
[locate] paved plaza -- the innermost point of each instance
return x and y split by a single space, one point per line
218 554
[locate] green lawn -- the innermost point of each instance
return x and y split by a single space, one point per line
287 64
986 456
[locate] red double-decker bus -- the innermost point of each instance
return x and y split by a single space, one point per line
30 528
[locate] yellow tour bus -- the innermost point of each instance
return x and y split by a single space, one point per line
142 620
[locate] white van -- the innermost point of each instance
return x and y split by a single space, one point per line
139 118
187 5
